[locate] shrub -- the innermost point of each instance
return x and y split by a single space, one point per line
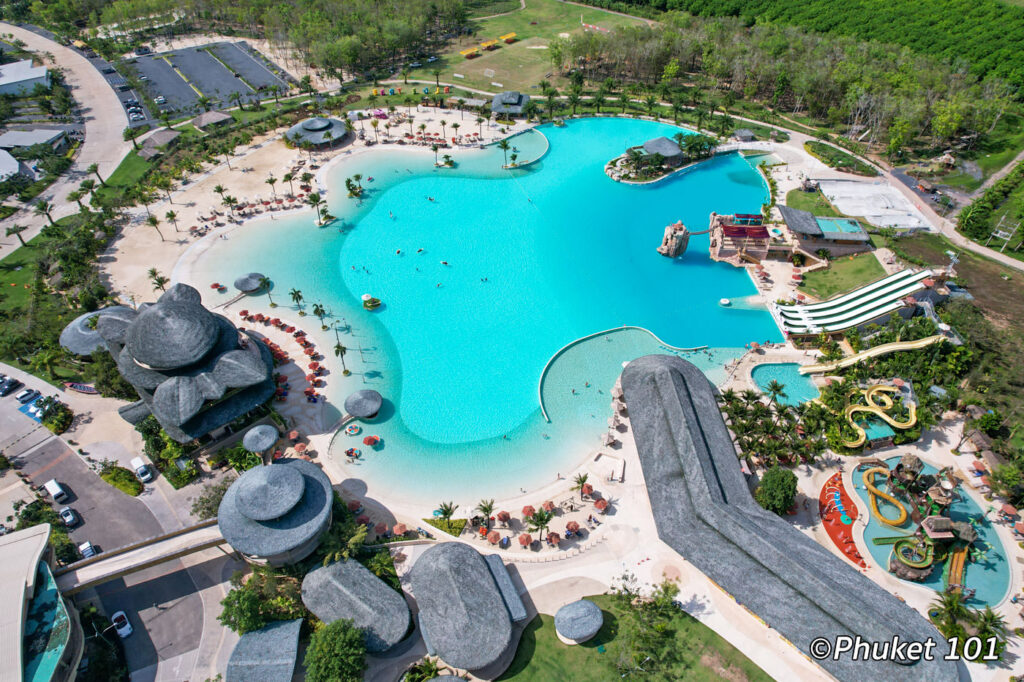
777 491
336 653
205 506
5 463
266 596
121 478
451 526
39 511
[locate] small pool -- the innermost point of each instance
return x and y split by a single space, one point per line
799 388
876 429
846 225
989 577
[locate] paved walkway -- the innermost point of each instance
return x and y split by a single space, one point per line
105 120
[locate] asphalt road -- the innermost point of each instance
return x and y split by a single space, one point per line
162 80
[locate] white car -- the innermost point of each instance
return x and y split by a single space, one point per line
87 550
121 624
68 516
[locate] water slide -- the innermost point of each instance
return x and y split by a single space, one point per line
909 551
874 493
955 568
883 349
877 410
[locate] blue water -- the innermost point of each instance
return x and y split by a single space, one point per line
839 225
799 388
47 629
536 258
990 576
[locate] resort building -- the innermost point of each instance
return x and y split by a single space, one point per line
465 611
10 166
42 639
840 236
18 139
703 509
744 135
157 142
211 119
193 370
738 239
276 514
870 304
672 156
81 336
347 589
318 132
21 78
509 103
269 654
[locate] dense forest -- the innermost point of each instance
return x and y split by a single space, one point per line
987 33
890 93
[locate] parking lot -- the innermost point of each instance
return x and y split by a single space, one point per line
214 71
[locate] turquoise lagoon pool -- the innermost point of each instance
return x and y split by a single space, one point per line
799 388
485 274
990 577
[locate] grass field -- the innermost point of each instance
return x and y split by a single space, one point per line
815 202
840 160
541 657
843 274
521 65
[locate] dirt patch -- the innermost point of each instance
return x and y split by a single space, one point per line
711 661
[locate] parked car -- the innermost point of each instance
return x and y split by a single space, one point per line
143 78
160 100
143 49
431 60
415 65
142 470
9 386
68 516
87 550
137 117
27 396
55 490
121 624
131 102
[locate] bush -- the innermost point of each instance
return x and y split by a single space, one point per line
206 505
336 653
266 596
452 527
241 459
56 416
104 656
121 478
39 511
5 463
777 491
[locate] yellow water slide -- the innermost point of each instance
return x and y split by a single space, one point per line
874 493
884 402
955 573
882 349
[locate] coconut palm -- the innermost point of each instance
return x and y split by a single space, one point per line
46 360
574 101
455 129
296 297
87 185
76 196
220 190
16 230
288 177
677 109
320 313
272 181
173 217
578 482
486 509
990 624
434 148
539 521
230 202
651 102
154 222
44 208
374 124
94 169
480 120
949 608
158 280
339 352
599 100
265 283
504 146
447 510
775 391
315 201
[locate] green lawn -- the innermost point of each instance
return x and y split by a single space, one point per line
127 174
843 274
541 657
815 202
838 159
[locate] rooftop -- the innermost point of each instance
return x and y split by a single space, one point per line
260 438
364 404
347 589
210 118
663 146
22 551
317 131
8 165
266 655
509 102
13 139
80 339
579 620
457 597
19 71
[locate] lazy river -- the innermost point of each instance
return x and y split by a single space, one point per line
485 274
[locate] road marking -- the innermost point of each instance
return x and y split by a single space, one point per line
51 464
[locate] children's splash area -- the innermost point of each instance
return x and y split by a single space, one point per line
923 528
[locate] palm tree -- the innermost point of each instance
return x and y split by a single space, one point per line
230 202
775 391
265 283
677 109
480 120
314 200
539 522
574 101
288 177
598 100
437 76
16 230
578 483
701 113
272 181
339 352
158 280
374 124
296 297
154 222
949 608
443 124
45 360
320 313
504 146
220 190
990 624
173 217
87 185
447 510
94 169
455 129
236 99
434 149
43 208
76 196
651 102
486 509
306 178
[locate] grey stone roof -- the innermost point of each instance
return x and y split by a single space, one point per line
79 339
579 620
744 134
260 438
509 593
363 404
703 509
173 333
270 492
298 525
317 131
266 655
209 118
462 616
801 222
663 146
249 283
509 102
347 589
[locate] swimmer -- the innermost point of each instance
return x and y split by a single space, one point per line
391 214
438 285
444 262
587 384
398 252
574 391
419 250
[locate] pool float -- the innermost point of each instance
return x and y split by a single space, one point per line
724 302
352 429
372 441
353 452
874 493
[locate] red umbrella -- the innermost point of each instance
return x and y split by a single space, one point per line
310 378
1018 527
243 313
362 519
399 529
483 531
494 537
529 511
601 504
525 539
371 440
548 506
587 489
276 321
314 365
977 464
215 285
354 505
309 351
380 528
797 276
504 516
293 435
572 526
554 538
897 382
300 447
1009 510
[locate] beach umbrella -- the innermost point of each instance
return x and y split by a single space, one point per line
525 539
371 440
504 516
800 297
314 365
529 511
362 519
548 506
797 276
310 378
300 447
366 297
1009 510
276 321
1019 527
572 526
483 531
978 465
309 351
243 313
380 528
985 481
554 538
601 505
587 489
898 382
354 505
281 378
494 537
399 529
